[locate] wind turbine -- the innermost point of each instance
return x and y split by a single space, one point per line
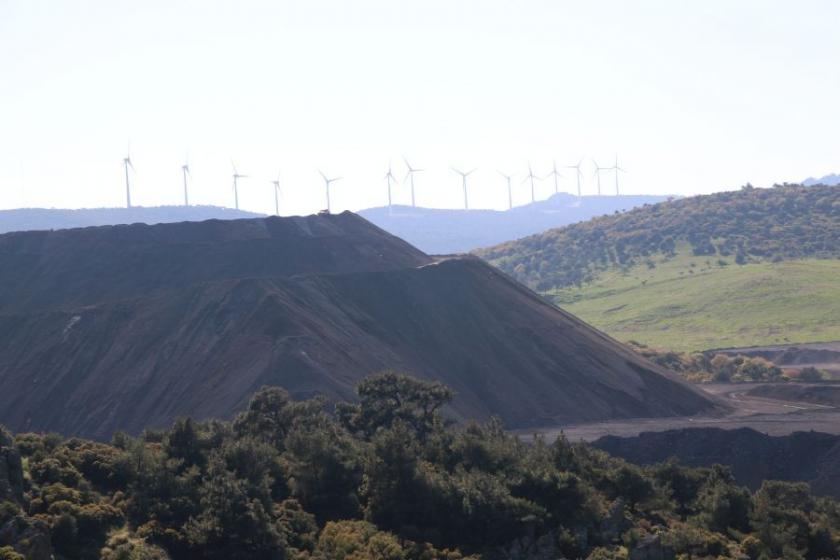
410 176
556 176
578 173
276 184
530 176
464 182
185 170
388 178
617 169
510 190
127 163
236 177
327 183
597 174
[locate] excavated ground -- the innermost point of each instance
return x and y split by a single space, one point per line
128 327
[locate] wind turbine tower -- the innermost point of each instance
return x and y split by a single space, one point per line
327 183
556 176
597 174
185 170
127 164
578 173
530 177
617 170
510 190
276 184
236 177
464 183
388 178
410 177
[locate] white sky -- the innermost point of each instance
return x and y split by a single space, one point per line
693 96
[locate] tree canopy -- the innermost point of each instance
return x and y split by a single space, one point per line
381 479
784 222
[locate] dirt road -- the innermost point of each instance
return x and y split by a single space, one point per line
772 416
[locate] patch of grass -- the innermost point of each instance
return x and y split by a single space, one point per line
692 302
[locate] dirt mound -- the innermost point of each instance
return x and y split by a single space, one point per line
127 327
47 270
32 219
811 457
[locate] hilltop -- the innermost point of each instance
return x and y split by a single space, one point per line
127 327
29 219
741 268
443 232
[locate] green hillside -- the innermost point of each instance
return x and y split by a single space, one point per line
749 267
685 304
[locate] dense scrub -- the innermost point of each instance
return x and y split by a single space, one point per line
784 222
384 479
705 367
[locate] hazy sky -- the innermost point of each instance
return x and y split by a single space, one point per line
693 96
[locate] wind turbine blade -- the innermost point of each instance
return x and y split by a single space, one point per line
458 171
322 175
472 171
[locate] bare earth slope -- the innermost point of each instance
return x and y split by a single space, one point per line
126 327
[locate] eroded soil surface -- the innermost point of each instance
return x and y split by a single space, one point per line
789 410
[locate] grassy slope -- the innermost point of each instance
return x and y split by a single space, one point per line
693 303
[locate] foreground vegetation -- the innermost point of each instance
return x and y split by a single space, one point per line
383 479
733 269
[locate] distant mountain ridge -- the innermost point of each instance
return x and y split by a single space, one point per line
442 232
832 179
31 219
434 231
128 327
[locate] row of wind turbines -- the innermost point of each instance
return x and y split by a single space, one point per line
391 180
